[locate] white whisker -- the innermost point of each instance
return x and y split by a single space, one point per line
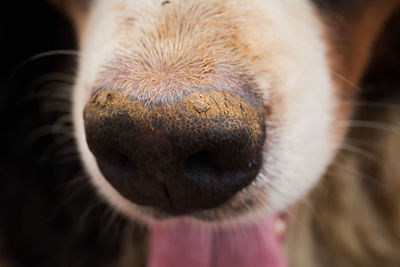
354 85
392 128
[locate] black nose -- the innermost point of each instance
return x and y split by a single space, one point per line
183 155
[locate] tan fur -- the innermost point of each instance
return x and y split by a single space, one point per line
170 56
76 10
350 38
353 35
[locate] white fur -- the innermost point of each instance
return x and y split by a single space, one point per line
291 69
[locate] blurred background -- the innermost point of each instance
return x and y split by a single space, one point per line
49 216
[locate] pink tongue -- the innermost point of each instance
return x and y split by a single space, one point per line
183 244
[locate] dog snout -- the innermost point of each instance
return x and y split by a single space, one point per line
189 153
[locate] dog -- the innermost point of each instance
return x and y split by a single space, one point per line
226 112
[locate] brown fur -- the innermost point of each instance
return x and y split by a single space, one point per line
187 58
75 9
350 35
352 218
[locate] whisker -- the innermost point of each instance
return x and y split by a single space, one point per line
79 180
373 125
69 158
371 104
67 151
353 172
59 97
53 77
64 121
346 80
70 191
364 142
58 106
113 225
51 53
110 217
80 222
47 130
359 151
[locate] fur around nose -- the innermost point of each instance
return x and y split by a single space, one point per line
191 153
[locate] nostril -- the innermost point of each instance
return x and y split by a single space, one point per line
216 175
201 165
116 162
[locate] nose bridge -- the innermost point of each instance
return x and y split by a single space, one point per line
211 111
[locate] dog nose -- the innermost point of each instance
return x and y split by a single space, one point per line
189 153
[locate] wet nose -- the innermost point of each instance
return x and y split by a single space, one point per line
189 153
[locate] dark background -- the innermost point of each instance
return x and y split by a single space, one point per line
49 215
